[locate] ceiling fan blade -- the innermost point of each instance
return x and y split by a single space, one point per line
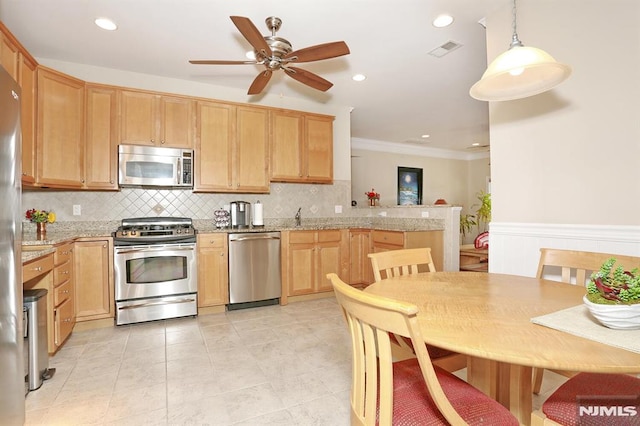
251 33
308 78
223 62
319 52
260 82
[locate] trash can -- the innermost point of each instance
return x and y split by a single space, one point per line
35 303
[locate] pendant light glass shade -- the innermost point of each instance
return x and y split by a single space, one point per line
519 72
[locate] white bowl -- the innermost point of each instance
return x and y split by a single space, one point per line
620 317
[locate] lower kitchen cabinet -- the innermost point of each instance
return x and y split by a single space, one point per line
360 272
64 316
308 256
213 274
93 277
394 240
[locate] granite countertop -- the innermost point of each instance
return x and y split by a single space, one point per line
33 248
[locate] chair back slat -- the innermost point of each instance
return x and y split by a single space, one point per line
578 264
371 319
400 262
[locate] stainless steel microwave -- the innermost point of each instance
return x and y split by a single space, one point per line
155 166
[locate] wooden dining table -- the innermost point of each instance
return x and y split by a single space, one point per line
487 317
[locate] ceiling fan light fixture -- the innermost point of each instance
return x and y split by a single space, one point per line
106 24
359 77
520 72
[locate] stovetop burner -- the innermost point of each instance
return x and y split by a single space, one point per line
155 230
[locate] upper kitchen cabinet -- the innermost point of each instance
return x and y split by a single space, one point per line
154 119
22 67
60 134
102 137
301 147
232 148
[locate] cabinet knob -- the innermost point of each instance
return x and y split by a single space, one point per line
111 181
37 268
162 142
152 141
104 246
65 272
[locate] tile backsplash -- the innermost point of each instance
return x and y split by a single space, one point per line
283 202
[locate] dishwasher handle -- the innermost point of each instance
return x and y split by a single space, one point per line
253 237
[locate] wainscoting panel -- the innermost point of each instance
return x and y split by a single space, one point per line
514 248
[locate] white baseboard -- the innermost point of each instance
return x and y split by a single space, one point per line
514 248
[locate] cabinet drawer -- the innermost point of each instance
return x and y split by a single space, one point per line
212 240
62 293
302 237
37 267
64 321
61 274
63 254
327 236
389 237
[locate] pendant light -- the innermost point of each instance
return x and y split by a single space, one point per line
519 72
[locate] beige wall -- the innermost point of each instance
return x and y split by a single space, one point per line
455 180
572 155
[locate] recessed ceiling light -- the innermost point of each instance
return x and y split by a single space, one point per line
443 21
425 136
359 77
475 144
106 24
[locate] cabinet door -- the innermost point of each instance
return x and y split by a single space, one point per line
213 276
9 52
319 153
93 263
251 165
329 260
64 320
302 269
359 247
286 146
28 80
102 138
176 116
138 124
60 136
215 127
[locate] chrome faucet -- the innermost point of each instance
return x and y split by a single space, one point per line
298 217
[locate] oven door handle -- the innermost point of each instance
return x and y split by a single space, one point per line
153 249
164 302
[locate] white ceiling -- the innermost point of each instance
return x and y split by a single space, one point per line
407 92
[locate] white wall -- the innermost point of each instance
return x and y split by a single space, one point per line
569 156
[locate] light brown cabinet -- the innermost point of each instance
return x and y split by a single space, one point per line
22 67
60 135
393 240
308 256
361 272
101 142
301 147
93 278
64 317
213 276
232 148
154 119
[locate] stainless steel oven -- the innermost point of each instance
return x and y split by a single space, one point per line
155 270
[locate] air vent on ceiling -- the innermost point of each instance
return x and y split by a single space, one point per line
445 48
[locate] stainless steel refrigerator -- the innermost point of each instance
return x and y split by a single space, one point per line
12 369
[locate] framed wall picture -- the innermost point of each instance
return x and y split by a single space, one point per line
409 186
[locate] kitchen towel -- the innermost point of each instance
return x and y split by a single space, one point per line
257 214
579 322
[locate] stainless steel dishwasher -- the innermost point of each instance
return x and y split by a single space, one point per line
254 269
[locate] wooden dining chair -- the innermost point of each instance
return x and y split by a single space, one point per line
574 267
400 262
591 390
412 391
393 263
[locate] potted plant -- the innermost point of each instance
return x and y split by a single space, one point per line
613 296
483 211
467 222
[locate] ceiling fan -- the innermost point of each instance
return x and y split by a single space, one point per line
276 53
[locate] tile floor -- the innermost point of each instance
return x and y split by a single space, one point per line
285 365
